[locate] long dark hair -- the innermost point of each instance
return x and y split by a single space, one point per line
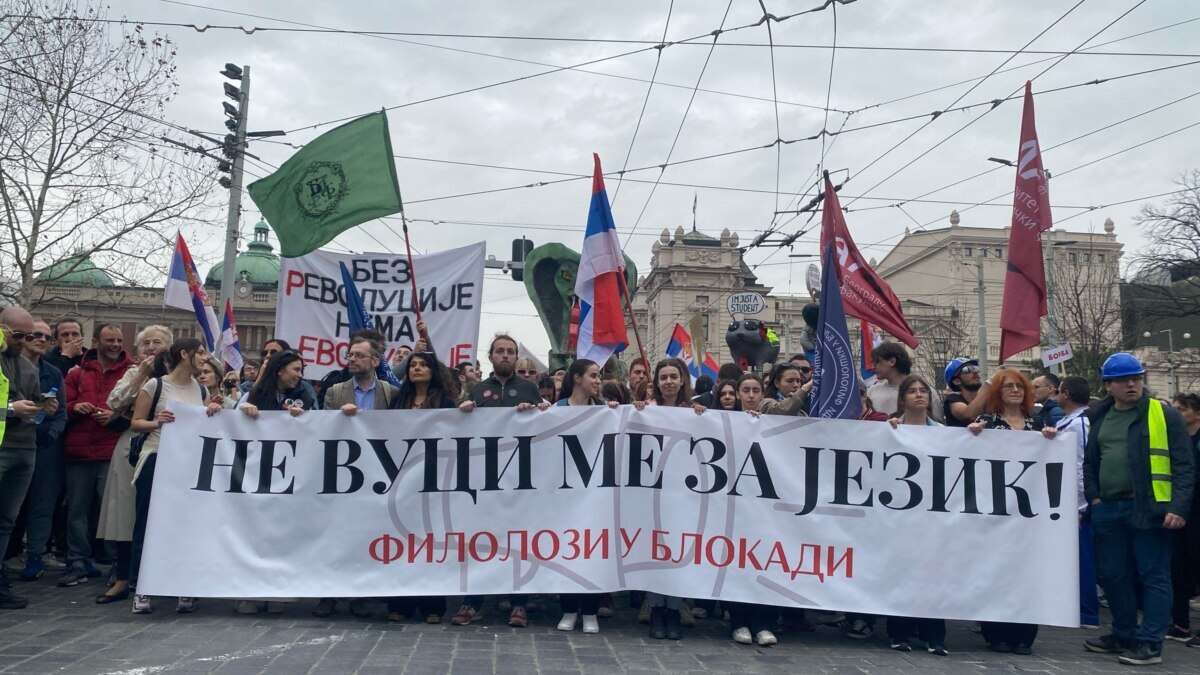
578 368
716 394
685 382
772 389
439 384
907 383
265 394
166 361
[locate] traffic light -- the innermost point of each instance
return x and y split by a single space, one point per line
520 250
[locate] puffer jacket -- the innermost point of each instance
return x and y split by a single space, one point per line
86 440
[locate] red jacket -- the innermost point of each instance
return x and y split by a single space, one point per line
86 440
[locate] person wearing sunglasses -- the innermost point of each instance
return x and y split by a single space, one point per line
48 469
18 449
1008 406
968 392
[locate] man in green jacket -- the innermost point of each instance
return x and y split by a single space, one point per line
1138 480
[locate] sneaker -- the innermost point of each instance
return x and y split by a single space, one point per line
742 636
699 613
1090 626
858 629
568 620
518 619
604 612
901 646
73 576
591 624
466 615
1178 634
33 570
1146 654
938 650
246 607
10 601
185 605
141 604
54 564
766 638
1107 644
1194 642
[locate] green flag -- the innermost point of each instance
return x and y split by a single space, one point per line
340 179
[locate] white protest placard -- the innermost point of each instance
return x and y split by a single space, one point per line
311 314
745 303
1052 356
832 514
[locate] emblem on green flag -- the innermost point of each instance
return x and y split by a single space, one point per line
340 179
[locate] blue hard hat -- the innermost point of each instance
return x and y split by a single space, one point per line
956 365
1121 364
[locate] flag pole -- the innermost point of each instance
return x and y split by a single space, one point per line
637 336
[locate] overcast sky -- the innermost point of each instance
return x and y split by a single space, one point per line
552 123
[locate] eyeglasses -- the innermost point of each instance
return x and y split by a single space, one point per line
804 369
1016 386
526 372
29 337
969 369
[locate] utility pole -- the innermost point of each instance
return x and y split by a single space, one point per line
235 149
979 292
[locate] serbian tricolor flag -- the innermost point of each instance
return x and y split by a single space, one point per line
864 293
185 290
709 366
680 347
598 284
1025 280
870 340
231 348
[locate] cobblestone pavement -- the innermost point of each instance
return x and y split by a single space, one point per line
64 631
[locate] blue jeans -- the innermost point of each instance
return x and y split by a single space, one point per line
1089 603
1127 557
47 486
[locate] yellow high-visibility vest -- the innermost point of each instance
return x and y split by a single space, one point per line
1160 453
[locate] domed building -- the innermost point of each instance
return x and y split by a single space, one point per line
257 269
76 270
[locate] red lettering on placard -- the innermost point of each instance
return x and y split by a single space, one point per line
294 280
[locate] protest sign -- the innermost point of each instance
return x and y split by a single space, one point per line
311 314
833 514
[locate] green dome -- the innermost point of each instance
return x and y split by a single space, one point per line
258 264
77 270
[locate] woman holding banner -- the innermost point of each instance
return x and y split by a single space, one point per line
915 407
581 386
725 395
280 386
671 387
150 413
424 385
750 393
785 394
1009 406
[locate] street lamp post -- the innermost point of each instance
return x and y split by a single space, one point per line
1172 386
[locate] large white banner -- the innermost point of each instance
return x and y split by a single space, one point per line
834 514
311 314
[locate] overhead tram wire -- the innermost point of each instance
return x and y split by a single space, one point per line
312 29
767 16
988 111
678 131
1043 150
645 101
513 59
933 118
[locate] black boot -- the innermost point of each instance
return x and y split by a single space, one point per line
673 632
658 623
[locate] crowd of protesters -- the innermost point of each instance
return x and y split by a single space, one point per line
83 425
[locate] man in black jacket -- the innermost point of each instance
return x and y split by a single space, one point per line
68 349
1138 480
18 448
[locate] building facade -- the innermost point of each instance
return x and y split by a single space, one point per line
89 295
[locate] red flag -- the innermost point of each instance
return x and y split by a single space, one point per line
1025 280
864 294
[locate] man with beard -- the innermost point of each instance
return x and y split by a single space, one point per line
637 373
18 449
969 393
92 433
503 389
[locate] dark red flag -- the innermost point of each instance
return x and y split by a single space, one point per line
1025 279
864 294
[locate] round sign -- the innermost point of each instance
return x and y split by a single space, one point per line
813 279
746 303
